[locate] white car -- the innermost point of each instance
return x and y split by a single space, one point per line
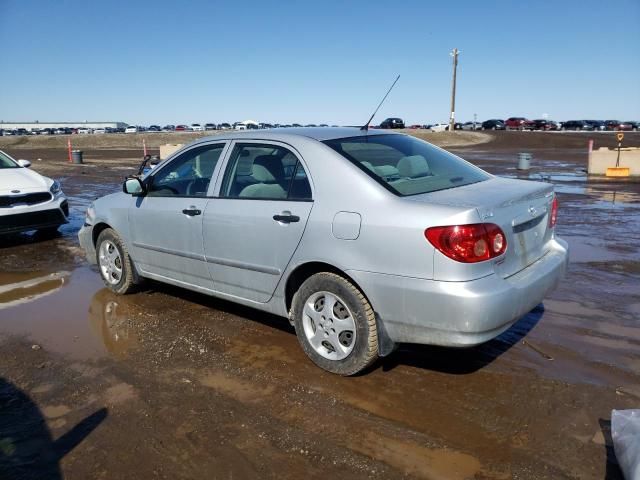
29 201
131 130
84 131
439 127
100 130
196 127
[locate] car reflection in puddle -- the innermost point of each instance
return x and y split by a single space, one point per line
110 320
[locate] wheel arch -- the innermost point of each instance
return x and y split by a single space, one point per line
97 229
303 271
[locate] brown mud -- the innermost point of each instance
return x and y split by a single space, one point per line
167 383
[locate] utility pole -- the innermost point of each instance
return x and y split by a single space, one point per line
454 53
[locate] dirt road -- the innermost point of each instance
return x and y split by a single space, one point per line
168 383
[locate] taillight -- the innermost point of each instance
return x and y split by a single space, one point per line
468 243
553 218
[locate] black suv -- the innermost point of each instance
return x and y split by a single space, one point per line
392 123
493 124
576 125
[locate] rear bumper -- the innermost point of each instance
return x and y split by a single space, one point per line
34 217
460 314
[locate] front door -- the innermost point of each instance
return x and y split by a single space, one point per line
166 223
254 226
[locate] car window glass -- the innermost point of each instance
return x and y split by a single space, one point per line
6 162
188 175
267 172
405 165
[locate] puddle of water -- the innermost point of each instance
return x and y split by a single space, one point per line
18 288
591 249
51 310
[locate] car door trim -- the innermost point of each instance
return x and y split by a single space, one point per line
169 251
243 265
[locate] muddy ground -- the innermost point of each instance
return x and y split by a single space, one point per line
167 383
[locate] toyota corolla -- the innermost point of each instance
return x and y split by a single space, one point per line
362 239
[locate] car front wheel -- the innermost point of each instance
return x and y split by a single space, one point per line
114 262
335 324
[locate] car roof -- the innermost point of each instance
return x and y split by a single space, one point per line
283 134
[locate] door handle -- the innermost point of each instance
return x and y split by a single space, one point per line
191 211
286 217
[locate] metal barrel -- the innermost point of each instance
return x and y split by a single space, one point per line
76 156
524 161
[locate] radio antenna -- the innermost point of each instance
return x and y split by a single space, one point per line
366 126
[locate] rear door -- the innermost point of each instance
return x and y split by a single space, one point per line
254 225
166 223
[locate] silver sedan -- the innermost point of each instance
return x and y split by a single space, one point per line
362 239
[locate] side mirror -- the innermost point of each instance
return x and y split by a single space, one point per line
24 163
133 186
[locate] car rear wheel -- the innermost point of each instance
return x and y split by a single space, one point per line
114 262
335 324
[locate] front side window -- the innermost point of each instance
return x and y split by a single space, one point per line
406 165
188 175
6 162
266 172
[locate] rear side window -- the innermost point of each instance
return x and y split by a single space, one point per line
265 172
405 165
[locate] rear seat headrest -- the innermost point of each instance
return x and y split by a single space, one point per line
413 166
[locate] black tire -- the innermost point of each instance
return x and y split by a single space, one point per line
365 350
129 280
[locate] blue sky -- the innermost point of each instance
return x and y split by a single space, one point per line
316 62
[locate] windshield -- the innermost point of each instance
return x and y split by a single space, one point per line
405 165
6 162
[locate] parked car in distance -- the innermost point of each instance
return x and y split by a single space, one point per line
154 128
131 129
470 126
471 254
439 127
210 126
28 200
392 122
84 131
577 125
168 128
517 123
196 127
224 126
544 125
493 124
634 125
617 125
182 128
596 125
99 131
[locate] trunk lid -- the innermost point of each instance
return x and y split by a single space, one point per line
521 208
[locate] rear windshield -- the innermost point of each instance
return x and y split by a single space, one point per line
6 162
405 165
